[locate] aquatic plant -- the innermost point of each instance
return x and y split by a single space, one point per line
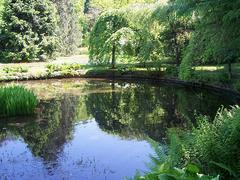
16 100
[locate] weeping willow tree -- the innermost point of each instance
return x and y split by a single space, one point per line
104 37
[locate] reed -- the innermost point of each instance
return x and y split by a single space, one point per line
16 100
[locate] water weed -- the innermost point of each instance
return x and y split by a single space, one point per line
16 100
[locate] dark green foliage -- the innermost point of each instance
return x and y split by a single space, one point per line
16 100
216 36
176 31
28 30
86 6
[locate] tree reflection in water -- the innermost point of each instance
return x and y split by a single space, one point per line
129 110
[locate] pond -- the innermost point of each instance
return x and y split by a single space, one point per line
97 129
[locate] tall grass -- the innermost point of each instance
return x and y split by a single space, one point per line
16 100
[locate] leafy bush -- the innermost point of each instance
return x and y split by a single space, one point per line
166 172
16 100
217 144
165 164
213 146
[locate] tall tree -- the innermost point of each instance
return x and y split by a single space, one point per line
102 40
69 30
217 30
28 30
175 33
86 6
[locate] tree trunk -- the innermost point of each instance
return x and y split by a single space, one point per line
229 69
177 51
177 57
113 56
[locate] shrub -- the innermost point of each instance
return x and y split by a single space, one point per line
16 100
165 171
213 146
217 144
51 68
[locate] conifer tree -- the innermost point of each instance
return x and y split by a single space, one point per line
28 31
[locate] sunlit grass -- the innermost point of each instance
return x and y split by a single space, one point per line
16 100
209 68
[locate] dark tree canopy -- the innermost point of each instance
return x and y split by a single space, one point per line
28 30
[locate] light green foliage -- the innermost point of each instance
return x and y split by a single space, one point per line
213 146
102 47
1 10
69 31
147 45
16 100
15 69
219 142
63 68
166 172
107 4
28 30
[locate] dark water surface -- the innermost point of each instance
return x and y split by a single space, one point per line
97 129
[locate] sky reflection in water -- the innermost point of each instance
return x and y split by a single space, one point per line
96 129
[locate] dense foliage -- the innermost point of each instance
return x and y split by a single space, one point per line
181 32
16 100
28 30
213 146
103 39
69 30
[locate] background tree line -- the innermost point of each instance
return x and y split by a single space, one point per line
186 33
183 33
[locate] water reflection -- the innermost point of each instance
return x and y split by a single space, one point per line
93 129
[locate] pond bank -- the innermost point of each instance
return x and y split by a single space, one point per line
122 75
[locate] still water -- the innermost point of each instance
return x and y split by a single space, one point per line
95 129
